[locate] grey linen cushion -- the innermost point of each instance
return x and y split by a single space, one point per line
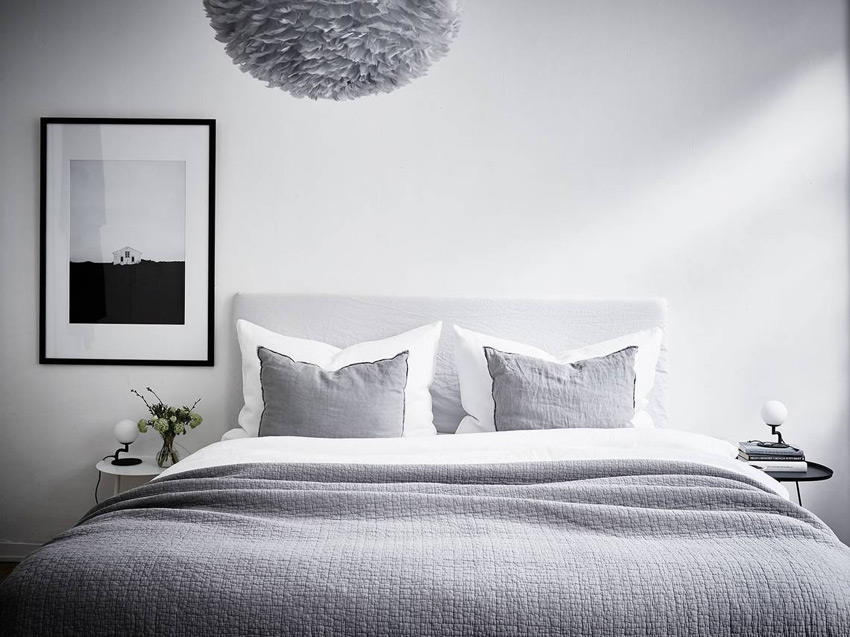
361 400
531 393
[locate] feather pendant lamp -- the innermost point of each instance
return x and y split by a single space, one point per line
335 49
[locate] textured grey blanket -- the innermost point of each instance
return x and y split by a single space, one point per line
561 548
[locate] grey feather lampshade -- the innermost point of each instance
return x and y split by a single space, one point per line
335 49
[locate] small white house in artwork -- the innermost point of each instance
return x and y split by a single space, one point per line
126 256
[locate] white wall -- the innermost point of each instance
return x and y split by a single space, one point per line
692 150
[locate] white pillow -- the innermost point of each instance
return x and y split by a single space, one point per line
476 385
421 345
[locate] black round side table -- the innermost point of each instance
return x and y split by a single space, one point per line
813 472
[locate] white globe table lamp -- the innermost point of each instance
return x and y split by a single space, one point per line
774 413
126 431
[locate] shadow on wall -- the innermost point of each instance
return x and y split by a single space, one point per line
634 83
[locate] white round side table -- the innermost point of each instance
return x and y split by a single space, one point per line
148 467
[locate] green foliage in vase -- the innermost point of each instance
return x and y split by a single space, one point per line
167 420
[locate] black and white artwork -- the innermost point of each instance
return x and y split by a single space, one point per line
128 231
127 241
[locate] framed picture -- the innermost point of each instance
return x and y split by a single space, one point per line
127 241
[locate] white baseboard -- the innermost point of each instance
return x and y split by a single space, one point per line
16 551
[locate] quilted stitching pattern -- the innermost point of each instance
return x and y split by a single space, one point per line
636 547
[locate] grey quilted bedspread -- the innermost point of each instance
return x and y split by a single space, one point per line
561 548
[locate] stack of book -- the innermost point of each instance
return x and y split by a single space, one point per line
768 457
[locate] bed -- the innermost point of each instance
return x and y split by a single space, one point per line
581 531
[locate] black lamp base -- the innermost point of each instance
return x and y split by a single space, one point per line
779 444
126 462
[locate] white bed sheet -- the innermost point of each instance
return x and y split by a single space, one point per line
496 447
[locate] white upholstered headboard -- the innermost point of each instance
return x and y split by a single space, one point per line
552 325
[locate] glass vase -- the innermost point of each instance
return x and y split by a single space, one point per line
167 456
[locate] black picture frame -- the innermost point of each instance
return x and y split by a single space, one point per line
128 343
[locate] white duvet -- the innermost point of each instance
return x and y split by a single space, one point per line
507 446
